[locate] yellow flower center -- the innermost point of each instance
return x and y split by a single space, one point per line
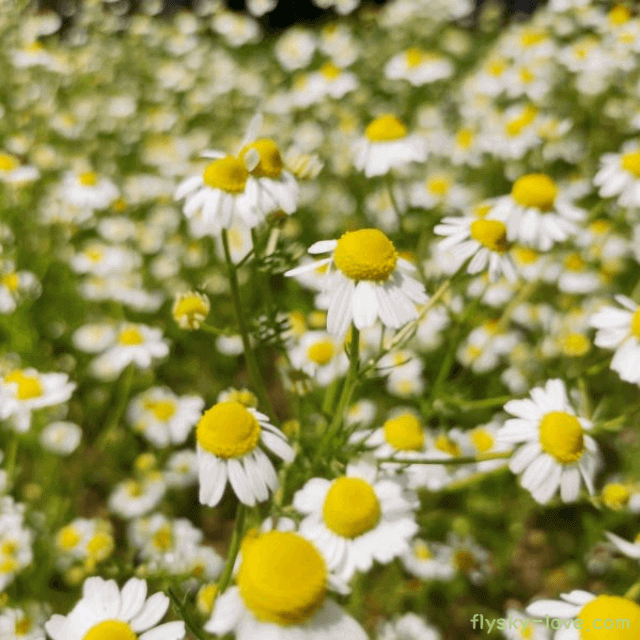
23 626
270 163
531 38
228 430
631 163
227 174
526 76
497 67
8 162
192 307
414 57
535 190
482 440
481 210
68 537
600 227
635 324
366 254
134 489
464 138
610 618
282 577
94 255
523 255
615 496
162 538
514 127
321 352
619 15
10 280
491 234
330 71
574 262
28 386
351 507
575 345
561 436
447 445
130 337
88 179
438 186
163 410
385 128
421 551
111 630
404 433
100 546
465 561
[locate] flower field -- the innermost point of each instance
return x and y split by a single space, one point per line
325 334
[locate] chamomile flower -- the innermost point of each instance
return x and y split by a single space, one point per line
28 390
556 452
104 611
418 67
409 626
133 498
281 594
162 417
525 627
23 624
619 175
88 190
61 438
387 144
365 280
320 356
13 172
429 560
190 309
230 438
83 540
593 611
483 240
538 213
619 329
357 518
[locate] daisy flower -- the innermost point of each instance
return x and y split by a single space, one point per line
190 309
537 213
357 518
429 560
482 240
525 627
408 627
281 594
61 438
88 190
556 451
619 175
12 172
27 390
15 285
23 624
320 356
162 417
619 329
134 498
365 279
418 67
230 438
104 612
386 144
594 612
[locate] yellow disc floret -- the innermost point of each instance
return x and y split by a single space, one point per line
228 430
366 254
385 129
227 174
8 163
111 630
88 179
68 537
270 161
491 234
28 386
413 56
535 190
631 162
351 507
575 345
610 617
404 432
561 436
282 577
130 337
321 352
190 309
635 324
482 440
330 71
615 496
163 410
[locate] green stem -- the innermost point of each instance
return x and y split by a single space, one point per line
123 396
249 354
236 538
212 330
184 615
345 396
501 455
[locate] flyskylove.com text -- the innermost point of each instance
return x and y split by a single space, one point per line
521 624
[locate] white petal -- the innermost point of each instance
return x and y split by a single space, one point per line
240 482
167 631
133 596
152 612
365 305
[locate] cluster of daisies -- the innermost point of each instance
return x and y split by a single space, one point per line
286 319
